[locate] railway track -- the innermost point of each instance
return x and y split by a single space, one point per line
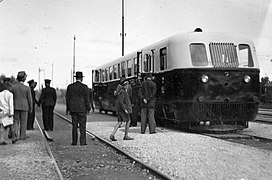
245 139
154 171
264 116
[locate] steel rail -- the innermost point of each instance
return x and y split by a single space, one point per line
150 168
48 149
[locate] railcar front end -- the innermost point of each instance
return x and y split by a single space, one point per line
210 99
220 92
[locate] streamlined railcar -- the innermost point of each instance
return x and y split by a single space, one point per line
206 81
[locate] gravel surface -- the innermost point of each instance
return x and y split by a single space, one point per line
27 159
193 156
94 161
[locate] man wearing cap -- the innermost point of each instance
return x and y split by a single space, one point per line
48 100
31 115
119 87
147 94
78 105
124 110
22 105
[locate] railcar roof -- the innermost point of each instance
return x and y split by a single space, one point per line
186 38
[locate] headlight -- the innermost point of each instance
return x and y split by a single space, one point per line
204 78
247 78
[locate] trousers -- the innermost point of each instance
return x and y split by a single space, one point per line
147 116
20 123
80 119
31 119
48 117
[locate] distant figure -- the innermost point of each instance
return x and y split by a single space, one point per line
91 99
31 115
22 105
48 100
78 105
147 94
123 110
6 112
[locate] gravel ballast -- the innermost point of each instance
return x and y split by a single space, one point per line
193 156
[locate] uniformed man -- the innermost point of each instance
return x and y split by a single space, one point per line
48 100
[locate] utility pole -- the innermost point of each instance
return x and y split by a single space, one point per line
52 74
74 57
123 28
40 78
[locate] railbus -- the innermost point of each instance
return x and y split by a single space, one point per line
206 81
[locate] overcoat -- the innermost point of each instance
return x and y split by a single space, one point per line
77 98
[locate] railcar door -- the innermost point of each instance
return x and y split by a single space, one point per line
135 85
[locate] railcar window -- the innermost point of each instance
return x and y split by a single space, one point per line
106 74
163 59
129 67
149 65
115 72
102 75
122 69
96 76
135 66
198 54
145 65
245 56
119 71
140 62
111 73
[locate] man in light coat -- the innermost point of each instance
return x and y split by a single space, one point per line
22 105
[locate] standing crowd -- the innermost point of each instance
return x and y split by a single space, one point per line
17 107
146 94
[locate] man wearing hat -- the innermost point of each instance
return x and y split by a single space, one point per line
31 115
48 100
147 94
78 105
22 105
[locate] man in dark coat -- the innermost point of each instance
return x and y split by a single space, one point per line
48 100
147 94
78 105
31 115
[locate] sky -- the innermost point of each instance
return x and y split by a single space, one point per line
39 34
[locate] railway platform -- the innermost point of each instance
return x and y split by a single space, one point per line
27 159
